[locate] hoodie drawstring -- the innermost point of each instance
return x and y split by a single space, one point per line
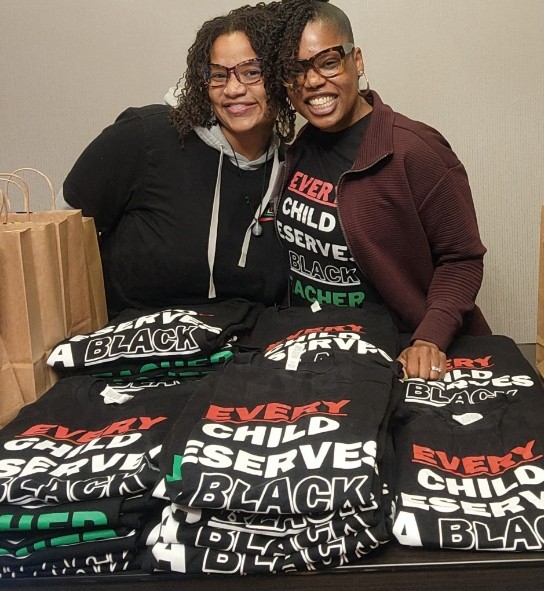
214 223
260 210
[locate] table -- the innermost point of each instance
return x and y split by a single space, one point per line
391 566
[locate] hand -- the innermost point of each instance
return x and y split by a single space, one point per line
423 360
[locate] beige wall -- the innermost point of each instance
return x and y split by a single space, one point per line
471 68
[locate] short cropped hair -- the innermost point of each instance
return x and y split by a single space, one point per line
294 15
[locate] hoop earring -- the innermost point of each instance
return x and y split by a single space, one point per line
364 91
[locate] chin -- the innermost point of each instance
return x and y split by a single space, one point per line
323 124
241 126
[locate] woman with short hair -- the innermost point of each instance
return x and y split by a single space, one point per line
374 206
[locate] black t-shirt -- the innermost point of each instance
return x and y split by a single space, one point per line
366 330
106 512
91 563
70 445
347 550
260 438
58 549
321 266
267 535
165 338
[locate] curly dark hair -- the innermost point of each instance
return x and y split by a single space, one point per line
194 106
293 16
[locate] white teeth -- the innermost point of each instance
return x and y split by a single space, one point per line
321 101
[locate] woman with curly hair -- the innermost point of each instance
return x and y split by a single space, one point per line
375 206
181 196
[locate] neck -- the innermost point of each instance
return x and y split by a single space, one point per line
364 108
252 144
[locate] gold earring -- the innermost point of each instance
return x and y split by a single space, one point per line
364 92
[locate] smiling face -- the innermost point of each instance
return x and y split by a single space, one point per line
241 109
330 104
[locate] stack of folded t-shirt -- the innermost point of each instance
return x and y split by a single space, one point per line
76 472
275 464
166 343
469 452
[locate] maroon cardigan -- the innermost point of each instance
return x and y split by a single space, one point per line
407 214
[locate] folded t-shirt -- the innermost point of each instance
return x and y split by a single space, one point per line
194 332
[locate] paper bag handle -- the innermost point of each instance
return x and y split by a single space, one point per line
3 204
23 187
46 178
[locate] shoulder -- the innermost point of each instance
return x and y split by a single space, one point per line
147 112
150 127
147 118
420 153
416 139
131 128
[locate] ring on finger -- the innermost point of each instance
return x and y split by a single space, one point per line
435 368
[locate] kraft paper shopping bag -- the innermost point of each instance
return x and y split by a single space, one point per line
73 259
20 314
48 283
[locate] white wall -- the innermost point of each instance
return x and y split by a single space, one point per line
471 68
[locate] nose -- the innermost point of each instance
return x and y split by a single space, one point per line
314 78
234 87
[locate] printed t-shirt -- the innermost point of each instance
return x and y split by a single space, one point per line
302 532
90 564
70 445
321 266
367 330
50 556
255 437
157 335
188 559
107 512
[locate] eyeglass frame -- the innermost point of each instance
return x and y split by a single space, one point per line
208 80
344 50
